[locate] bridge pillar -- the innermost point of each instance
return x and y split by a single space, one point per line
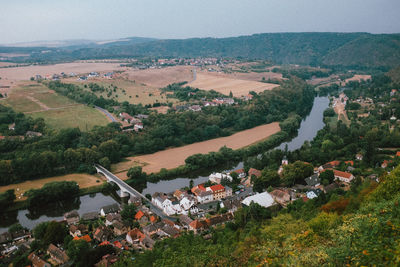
123 193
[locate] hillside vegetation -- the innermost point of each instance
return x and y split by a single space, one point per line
331 49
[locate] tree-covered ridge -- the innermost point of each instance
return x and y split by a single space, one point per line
332 49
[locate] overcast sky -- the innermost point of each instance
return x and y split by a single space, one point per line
33 20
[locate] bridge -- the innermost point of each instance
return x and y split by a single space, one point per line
126 191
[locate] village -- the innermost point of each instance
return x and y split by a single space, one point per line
197 209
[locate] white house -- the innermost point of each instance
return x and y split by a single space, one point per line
311 195
343 176
228 191
205 196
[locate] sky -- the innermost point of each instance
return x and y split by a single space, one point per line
36 20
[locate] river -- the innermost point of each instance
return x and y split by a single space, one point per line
94 202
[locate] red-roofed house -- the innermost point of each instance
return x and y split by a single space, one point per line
85 237
218 191
254 172
343 176
196 226
153 218
139 215
135 236
398 154
37 261
385 163
349 162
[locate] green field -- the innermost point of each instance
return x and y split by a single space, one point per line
81 116
58 111
53 100
21 104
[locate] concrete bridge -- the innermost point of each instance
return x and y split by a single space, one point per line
126 191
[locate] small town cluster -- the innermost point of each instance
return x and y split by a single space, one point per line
194 209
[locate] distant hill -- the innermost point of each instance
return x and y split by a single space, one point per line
324 49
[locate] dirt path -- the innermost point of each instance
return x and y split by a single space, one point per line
175 157
63 107
44 107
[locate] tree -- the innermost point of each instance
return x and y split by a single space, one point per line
327 175
296 172
128 214
268 178
191 183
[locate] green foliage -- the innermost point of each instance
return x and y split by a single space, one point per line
82 255
50 232
296 172
6 199
51 192
329 112
268 178
128 214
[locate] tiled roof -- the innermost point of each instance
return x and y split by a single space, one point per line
342 174
139 215
217 187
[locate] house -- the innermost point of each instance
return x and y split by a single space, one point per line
246 181
197 226
349 162
111 217
219 219
107 260
217 177
281 196
57 254
90 216
313 180
102 233
343 176
37 261
147 242
254 172
150 229
138 126
359 156
135 236
71 217
218 191
385 163
329 165
78 230
158 199
137 201
185 220
179 194
263 199
187 203
33 134
169 231
84 238
141 217
113 208
313 193
241 173
11 127
232 205
398 154
228 191
195 108
204 196
120 228
126 117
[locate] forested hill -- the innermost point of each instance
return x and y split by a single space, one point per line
331 49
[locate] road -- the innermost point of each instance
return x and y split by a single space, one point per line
108 114
133 192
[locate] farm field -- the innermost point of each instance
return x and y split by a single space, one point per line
159 78
58 111
128 90
175 157
81 116
83 180
25 73
226 85
357 78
